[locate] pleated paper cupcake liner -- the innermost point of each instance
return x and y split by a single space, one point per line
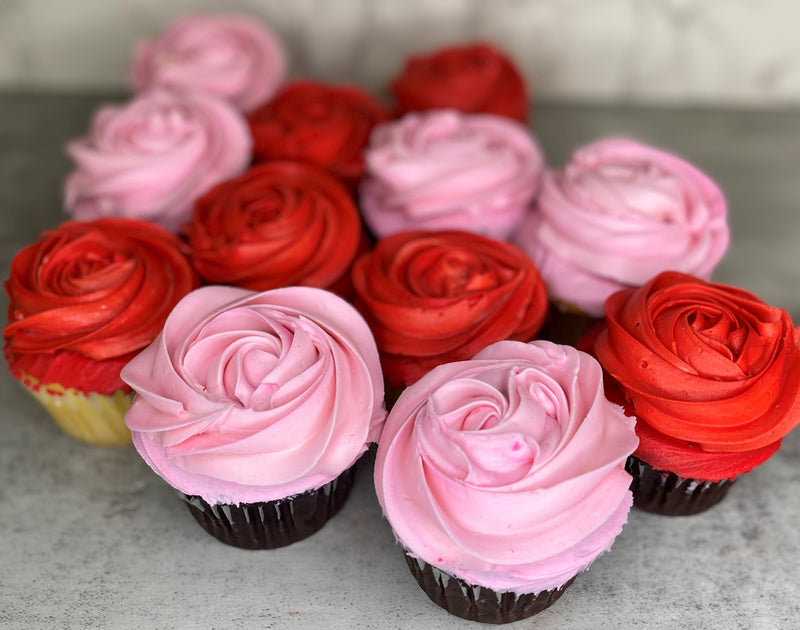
663 492
273 524
94 418
478 603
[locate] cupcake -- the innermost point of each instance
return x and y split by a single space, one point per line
503 477
444 170
256 406
227 56
474 78
83 300
153 156
619 213
320 124
711 373
437 297
276 225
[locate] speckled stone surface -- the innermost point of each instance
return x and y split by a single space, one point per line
91 538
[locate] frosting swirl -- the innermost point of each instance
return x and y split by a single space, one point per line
472 78
228 56
102 288
434 297
507 470
443 170
278 224
248 397
619 213
708 369
324 125
95 291
153 156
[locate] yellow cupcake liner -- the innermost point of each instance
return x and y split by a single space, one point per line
93 418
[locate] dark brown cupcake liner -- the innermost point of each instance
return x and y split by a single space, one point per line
273 524
478 603
391 394
664 492
565 325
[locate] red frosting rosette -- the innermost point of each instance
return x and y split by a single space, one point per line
89 295
472 78
711 371
324 125
279 224
436 297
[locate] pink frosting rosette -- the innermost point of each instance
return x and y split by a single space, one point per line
247 397
229 56
508 470
618 214
151 157
444 170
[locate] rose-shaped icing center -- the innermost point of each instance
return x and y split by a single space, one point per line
324 125
153 156
472 78
278 224
96 290
228 56
507 470
444 170
619 213
248 397
433 297
706 364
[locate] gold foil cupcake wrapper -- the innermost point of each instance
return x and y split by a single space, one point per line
93 418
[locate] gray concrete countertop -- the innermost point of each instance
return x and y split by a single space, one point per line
91 538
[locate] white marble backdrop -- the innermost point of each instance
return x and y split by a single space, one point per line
696 51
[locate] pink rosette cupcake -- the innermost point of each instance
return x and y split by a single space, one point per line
444 170
256 406
503 477
619 213
229 56
151 157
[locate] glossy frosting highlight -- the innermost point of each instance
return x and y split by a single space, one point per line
507 470
248 397
152 157
228 56
619 213
444 170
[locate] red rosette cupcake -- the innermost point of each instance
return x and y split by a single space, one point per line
279 224
82 301
324 125
712 374
472 78
435 297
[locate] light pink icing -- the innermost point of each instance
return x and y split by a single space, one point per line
248 397
507 471
228 56
444 170
620 213
151 157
